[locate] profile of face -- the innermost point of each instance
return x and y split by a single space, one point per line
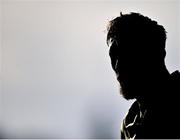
137 52
129 67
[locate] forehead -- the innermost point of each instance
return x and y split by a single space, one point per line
119 46
113 47
125 50
128 45
112 41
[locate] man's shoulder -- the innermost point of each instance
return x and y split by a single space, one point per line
129 123
175 76
132 112
175 81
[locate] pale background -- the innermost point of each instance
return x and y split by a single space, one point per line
55 75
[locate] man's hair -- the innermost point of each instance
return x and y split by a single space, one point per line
139 33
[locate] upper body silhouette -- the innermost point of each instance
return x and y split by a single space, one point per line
137 52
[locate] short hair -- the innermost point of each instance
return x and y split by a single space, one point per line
141 30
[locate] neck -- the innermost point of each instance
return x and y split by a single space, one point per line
154 90
163 78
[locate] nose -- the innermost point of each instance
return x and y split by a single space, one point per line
114 63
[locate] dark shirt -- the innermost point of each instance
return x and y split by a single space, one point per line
158 120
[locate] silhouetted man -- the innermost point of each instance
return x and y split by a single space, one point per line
137 52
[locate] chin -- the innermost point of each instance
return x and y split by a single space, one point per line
127 94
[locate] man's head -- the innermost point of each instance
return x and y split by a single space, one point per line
137 52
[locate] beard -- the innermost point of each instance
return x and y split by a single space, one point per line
128 91
134 90
125 93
